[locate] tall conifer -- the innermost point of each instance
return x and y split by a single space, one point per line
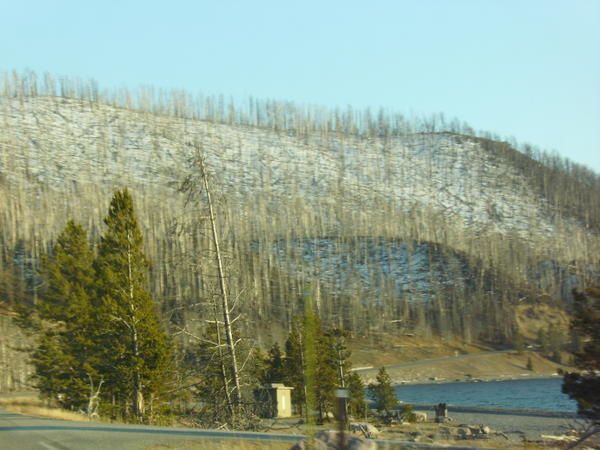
383 392
137 357
66 358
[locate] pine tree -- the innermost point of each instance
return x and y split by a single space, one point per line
311 364
529 364
584 386
383 392
293 367
326 373
275 369
66 358
137 354
212 388
357 406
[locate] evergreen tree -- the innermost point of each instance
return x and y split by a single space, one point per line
584 386
357 406
275 368
66 358
529 363
342 354
311 365
326 374
212 388
293 367
383 392
137 354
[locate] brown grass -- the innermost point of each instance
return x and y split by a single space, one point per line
35 407
530 318
225 444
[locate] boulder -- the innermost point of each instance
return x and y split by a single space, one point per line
365 428
329 440
420 416
464 433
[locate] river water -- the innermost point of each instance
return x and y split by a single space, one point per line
537 394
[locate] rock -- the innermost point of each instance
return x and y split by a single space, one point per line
479 430
329 440
464 433
318 445
420 416
443 419
365 428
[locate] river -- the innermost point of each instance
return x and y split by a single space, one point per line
535 394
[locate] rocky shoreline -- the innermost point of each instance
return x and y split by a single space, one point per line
468 379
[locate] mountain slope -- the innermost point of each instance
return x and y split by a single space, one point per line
397 197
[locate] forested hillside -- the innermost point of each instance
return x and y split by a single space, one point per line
382 219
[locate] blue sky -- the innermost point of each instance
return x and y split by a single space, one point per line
528 69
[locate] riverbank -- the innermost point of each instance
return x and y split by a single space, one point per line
501 430
504 431
470 367
483 379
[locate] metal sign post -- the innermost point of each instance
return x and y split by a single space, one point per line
342 395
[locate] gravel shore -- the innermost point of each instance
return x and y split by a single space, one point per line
529 426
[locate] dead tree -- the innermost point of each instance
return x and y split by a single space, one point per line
93 402
225 326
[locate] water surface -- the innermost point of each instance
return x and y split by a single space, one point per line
537 394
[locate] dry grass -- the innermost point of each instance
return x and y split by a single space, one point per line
387 348
206 444
485 366
530 318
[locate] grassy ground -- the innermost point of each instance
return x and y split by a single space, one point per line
487 366
205 444
423 355
386 348
528 436
32 406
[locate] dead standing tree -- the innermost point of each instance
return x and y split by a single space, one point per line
198 186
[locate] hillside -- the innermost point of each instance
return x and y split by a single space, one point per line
379 219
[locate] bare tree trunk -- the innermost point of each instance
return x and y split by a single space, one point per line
222 368
92 408
223 289
138 395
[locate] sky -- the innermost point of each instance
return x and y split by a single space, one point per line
527 69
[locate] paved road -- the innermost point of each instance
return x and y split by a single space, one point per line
20 432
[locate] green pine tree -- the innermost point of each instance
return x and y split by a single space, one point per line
529 363
213 385
137 359
66 358
293 367
326 373
275 369
584 386
311 365
383 392
357 406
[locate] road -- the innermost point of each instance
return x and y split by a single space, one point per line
20 432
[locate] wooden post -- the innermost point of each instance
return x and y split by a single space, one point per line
342 395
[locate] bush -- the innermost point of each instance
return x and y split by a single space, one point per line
407 414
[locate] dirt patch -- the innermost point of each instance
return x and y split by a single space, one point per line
383 349
479 366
